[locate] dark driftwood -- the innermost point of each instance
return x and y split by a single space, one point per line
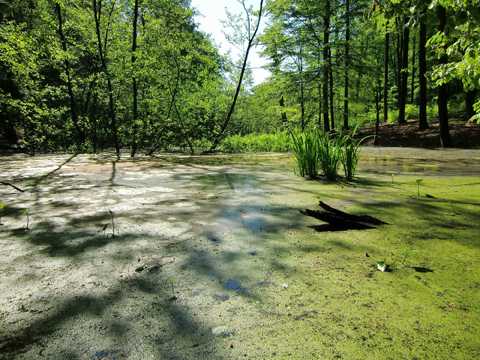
355 218
11 185
338 220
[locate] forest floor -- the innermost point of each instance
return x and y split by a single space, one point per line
464 135
209 258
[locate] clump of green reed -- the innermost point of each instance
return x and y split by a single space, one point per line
330 155
306 149
316 152
350 153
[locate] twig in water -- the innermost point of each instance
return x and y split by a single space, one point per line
11 185
113 223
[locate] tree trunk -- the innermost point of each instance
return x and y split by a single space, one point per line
398 60
403 91
332 91
251 41
326 70
422 73
445 139
134 80
378 98
284 114
73 107
469 102
302 105
412 91
97 12
302 89
346 64
385 77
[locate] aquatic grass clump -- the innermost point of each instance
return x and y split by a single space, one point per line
330 155
306 149
315 150
351 153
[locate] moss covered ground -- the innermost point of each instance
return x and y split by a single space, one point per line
210 258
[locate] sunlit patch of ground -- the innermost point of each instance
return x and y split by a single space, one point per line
179 257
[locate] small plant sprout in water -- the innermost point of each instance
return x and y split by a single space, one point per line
113 222
418 181
26 212
2 206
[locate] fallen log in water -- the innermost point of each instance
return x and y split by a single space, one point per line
356 218
338 220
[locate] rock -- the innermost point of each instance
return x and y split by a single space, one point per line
381 266
221 297
222 331
234 285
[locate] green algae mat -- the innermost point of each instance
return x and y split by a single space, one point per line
178 257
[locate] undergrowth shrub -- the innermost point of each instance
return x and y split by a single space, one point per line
276 142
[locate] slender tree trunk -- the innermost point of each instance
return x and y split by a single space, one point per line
403 91
378 97
414 53
385 77
231 110
445 139
326 70
302 89
73 107
469 102
422 73
134 80
319 89
302 105
398 60
97 12
346 64
332 90
284 114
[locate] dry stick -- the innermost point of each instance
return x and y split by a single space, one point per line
13 186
